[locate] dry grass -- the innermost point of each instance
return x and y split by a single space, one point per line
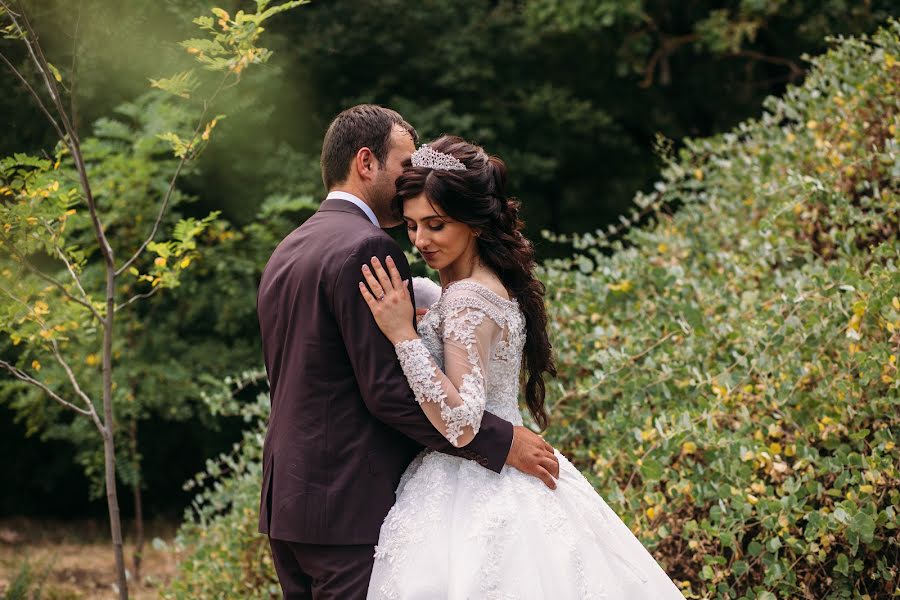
74 560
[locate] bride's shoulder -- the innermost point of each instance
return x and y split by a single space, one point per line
476 293
479 284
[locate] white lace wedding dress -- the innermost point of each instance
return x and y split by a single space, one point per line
461 532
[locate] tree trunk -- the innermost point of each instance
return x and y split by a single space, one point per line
138 504
109 447
112 501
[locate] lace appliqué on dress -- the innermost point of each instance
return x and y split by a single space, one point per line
415 360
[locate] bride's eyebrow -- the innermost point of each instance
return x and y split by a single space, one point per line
446 219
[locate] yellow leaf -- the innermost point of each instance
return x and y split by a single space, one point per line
651 513
92 360
698 174
775 448
55 72
866 489
624 286
159 261
688 448
185 262
35 365
41 308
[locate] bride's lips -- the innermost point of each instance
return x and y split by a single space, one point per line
429 255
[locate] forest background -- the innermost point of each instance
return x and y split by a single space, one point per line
585 100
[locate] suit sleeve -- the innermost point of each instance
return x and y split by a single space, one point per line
382 383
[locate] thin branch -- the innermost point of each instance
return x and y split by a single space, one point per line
78 390
30 46
71 269
796 70
136 298
667 46
74 275
171 189
37 55
55 282
23 376
61 361
34 94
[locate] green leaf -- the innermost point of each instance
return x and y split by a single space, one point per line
863 525
181 84
843 564
651 470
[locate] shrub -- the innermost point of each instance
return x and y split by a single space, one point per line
220 553
728 375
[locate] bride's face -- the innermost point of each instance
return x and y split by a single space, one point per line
441 240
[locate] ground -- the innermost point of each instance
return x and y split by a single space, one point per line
74 559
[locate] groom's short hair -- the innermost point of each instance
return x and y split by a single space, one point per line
361 126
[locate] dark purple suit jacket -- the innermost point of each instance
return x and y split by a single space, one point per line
344 423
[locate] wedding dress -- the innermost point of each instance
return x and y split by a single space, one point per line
459 531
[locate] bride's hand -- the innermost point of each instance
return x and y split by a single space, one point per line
389 300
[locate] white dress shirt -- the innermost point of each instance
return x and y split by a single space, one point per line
353 199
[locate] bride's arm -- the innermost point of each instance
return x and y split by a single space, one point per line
453 399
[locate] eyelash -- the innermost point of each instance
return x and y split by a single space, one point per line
437 228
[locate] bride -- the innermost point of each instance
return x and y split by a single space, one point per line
459 531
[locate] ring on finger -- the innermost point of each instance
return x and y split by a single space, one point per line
381 297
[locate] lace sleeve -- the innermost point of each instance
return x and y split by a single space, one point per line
453 400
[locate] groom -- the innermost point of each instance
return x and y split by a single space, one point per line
344 423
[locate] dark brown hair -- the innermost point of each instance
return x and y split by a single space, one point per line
477 197
361 126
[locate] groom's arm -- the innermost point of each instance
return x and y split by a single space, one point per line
381 381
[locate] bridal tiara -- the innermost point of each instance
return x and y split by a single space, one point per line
429 158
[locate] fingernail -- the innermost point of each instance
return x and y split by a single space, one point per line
390 259
365 267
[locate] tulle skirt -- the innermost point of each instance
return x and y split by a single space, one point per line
461 532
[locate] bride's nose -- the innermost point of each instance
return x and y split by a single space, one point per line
421 239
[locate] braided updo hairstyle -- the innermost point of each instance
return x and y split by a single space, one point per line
477 197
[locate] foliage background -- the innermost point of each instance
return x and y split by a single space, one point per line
757 391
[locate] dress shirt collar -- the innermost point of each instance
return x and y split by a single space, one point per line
354 200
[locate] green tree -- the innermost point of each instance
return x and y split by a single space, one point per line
63 286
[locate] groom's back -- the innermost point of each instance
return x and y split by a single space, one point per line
329 467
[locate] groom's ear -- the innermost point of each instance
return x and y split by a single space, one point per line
365 164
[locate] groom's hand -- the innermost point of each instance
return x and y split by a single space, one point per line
532 455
